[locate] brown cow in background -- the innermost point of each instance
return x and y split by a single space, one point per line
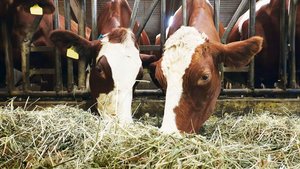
267 26
20 22
8 11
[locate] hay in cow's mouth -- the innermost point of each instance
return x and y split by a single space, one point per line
67 137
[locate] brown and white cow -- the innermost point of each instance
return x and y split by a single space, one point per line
267 26
117 62
188 70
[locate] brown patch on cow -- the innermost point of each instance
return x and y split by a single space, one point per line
201 87
100 80
118 35
160 79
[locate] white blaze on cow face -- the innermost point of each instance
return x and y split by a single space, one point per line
125 63
245 16
177 57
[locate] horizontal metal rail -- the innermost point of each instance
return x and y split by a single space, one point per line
73 94
150 47
237 92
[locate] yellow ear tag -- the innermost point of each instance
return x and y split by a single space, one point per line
36 10
71 53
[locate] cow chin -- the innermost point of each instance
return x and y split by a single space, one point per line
116 103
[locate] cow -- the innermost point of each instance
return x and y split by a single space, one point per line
8 6
20 23
188 70
267 26
8 9
116 63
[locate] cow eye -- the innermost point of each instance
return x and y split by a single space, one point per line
98 68
204 79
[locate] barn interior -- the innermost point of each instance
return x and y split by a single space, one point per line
250 128
227 10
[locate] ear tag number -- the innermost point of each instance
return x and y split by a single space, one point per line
36 10
71 53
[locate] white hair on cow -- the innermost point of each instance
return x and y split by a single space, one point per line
177 57
245 16
125 63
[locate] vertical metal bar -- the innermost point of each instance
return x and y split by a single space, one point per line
292 41
134 13
234 19
25 52
184 13
94 19
146 18
9 66
58 71
217 14
251 32
283 44
70 78
82 60
217 25
25 64
172 8
162 23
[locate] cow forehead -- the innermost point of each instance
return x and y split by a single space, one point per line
122 57
179 49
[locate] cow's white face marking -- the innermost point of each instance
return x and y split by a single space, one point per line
125 63
177 57
245 16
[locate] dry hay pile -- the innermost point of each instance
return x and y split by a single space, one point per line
67 137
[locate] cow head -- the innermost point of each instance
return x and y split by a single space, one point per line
188 73
7 5
112 76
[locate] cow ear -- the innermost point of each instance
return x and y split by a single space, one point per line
64 39
238 54
46 5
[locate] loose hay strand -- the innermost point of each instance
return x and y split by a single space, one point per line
67 137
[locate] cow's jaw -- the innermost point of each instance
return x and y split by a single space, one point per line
125 64
179 49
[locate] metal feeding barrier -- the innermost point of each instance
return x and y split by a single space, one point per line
286 31
287 38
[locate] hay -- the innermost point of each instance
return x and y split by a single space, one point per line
67 137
